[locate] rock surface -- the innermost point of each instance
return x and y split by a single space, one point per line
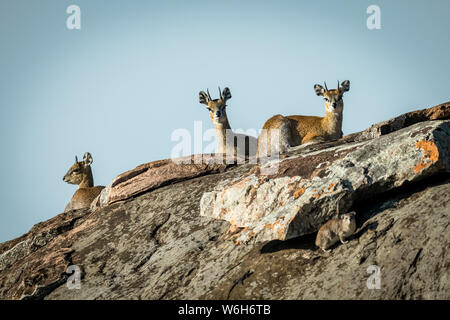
145 238
303 194
155 174
439 112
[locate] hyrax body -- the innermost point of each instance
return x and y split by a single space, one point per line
336 229
282 132
80 173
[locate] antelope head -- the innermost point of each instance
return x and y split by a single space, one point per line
216 107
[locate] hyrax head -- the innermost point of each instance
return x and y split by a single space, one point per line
333 98
348 218
80 170
216 107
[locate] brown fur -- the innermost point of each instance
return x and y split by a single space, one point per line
296 130
83 197
80 173
336 229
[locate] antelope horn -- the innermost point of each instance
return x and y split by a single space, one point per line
325 85
338 85
209 96
220 93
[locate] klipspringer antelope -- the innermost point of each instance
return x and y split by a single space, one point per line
296 130
80 173
228 141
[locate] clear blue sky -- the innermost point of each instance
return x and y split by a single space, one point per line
123 83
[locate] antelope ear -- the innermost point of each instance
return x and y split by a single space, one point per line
319 89
76 159
87 159
226 94
345 86
204 99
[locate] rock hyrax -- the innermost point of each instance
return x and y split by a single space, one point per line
336 229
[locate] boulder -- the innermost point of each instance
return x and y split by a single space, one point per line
155 174
304 192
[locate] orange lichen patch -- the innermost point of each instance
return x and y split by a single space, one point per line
224 211
290 188
251 234
268 226
299 192
275 223
316 196
290 219
280 233
261 181
236 242
331 186
245 229
431 153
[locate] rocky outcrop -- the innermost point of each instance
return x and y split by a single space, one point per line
146 239
152 175
439 112
303 194
36 263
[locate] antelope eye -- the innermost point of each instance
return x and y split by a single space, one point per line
209 109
